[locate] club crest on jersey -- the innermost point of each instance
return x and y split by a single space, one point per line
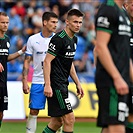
8 44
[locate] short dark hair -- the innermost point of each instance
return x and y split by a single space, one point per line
3 14
48 15
75 12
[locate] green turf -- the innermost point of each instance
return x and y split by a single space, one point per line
19 127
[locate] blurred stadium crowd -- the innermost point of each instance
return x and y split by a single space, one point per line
26 19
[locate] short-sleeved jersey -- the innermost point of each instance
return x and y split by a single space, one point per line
63 47
4 52
131 42
110 18
37 46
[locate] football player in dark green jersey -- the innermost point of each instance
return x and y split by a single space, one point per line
58 66
113 65
128 5
4 58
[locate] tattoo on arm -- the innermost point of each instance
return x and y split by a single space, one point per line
26 70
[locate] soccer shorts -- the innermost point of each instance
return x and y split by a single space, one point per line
113 108
37 98
59 104
3 99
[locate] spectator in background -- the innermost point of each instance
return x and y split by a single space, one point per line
37 20
15 25
20 9
14 70
79 60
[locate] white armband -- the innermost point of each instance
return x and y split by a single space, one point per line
20 52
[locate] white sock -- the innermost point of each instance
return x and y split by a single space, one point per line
31 124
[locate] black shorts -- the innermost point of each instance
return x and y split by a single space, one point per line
113 108
3 98
131 99
59 104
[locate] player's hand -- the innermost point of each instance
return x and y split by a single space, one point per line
1 68
80 91
24 48
48 92
121 86
26 88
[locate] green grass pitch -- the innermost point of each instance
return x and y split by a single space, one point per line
19 127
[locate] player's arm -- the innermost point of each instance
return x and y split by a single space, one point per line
1 67
76 81
47 70
105 58
131 70
16 54
26 65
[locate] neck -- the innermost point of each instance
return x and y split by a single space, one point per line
131 19
46 33
2 34
69 32
119 3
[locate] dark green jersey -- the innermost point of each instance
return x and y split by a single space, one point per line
63 47
110 18
4 51
131 42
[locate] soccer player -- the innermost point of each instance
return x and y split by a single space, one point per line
37 46
112 78
58 66
129 8
4 58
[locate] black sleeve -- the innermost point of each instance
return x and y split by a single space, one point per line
106 19
55 46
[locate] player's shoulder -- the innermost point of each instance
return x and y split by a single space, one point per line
108 8
35 36
58 36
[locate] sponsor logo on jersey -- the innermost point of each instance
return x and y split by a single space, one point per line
103 22
41 52
70 53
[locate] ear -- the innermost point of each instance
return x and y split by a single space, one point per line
44 22
66 21
126 6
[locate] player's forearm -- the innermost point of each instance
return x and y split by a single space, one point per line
46 71
15 55
74 75
25 70
131 71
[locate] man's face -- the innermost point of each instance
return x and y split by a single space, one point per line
129 8
51 24
74 23
4 22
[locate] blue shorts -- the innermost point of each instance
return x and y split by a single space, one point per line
37 98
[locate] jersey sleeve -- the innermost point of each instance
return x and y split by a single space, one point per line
106 19
29 48
55 46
